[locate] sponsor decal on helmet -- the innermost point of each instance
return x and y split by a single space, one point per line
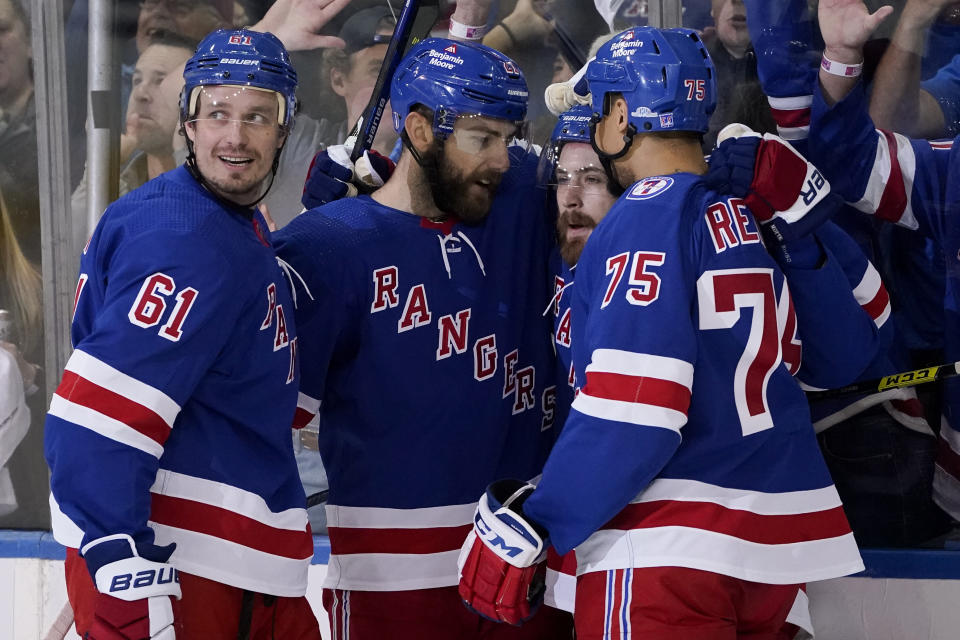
666 120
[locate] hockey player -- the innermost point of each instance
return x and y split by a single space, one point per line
910 182
421 312
709 535
583 196
173 480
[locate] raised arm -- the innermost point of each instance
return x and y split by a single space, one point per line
845 26
897 101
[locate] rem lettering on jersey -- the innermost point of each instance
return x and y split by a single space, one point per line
731 225
453 337
650 188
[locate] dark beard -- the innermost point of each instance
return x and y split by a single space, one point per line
570 250
450 186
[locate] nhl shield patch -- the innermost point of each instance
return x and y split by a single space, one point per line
649 188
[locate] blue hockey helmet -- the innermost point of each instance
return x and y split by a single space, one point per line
665 76
456 78
244 58
573 125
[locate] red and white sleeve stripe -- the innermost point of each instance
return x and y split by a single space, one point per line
636 388
307 409
792 115
889 188
98 397
872 296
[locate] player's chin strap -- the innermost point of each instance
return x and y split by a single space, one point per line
195 172
606 159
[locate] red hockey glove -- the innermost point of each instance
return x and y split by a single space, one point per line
134 599
332 176
788 196
503 561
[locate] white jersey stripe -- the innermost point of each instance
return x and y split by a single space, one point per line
793 133
392 571
234 564
710 551
102 374
233 499
103 425
455 515
630 412
790 103
869 285
645 365
768 504
307 403
561 590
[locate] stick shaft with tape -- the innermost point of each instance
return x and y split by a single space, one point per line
894 381
414 23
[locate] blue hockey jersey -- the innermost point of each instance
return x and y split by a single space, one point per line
916 184
689 442
425 348
172 421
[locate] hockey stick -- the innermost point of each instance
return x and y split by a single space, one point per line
414 23
317 498
61 626
895 381
571 51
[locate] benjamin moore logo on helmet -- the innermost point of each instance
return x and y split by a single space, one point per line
650 187
445 59
509 67
625 46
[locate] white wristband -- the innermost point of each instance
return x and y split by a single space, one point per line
840 69
466 32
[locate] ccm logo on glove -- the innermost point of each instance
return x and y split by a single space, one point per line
495 540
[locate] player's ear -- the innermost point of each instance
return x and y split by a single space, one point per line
619 110
419 129
190 130
338 82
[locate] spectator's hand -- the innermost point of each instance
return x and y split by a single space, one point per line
787 195
332 176
126 608
528 24
926 9
297 23
503 560
846 25
472 12
28 372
